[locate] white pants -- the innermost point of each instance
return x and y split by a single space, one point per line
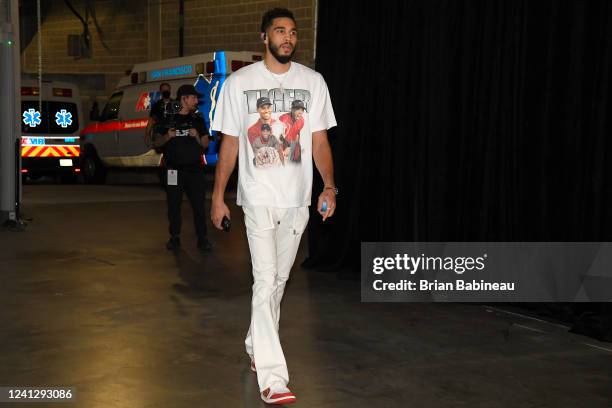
274 237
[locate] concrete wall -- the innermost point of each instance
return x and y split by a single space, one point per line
209 26
212 25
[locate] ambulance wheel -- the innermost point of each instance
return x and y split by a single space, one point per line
92 169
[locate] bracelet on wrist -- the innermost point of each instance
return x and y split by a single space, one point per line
332 188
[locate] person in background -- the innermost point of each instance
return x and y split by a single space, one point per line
183 144
157 111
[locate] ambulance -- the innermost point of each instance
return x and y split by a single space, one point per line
50 129
117 138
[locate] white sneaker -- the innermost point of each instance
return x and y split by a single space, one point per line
278 394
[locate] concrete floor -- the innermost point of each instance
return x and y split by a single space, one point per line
91 299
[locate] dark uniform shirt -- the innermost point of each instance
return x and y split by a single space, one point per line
184 151
157 111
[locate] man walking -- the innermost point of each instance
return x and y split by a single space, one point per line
275 197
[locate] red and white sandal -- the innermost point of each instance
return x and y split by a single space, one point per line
278 395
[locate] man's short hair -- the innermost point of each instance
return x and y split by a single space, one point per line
270 15
164 83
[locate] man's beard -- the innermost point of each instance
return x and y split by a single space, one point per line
283 59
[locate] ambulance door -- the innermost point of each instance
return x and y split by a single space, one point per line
104 136
135 108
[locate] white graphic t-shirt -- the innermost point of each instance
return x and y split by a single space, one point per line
274 116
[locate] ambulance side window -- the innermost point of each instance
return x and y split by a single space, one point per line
111 110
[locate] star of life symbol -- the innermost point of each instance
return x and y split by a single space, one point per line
63 118
31 117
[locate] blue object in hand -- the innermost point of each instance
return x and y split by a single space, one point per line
324 206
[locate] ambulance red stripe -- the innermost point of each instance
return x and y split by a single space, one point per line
115 126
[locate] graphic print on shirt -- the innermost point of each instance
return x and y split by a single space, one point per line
278 117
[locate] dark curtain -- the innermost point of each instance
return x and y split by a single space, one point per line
466 121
